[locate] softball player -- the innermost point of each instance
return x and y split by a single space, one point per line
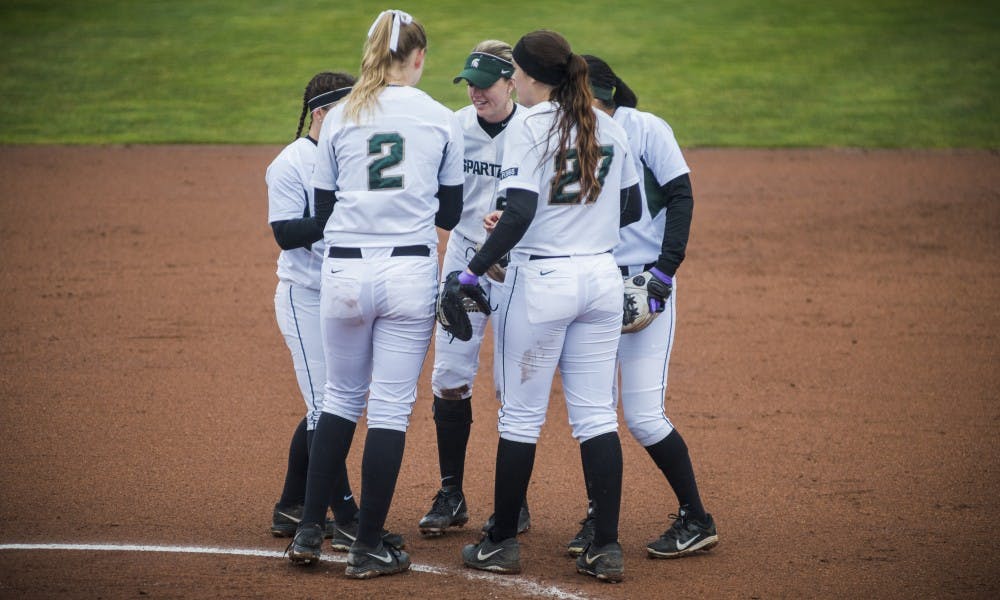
488 70
296 300
655 243
569 185
390 157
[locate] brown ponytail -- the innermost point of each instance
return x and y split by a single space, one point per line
576 109
547 57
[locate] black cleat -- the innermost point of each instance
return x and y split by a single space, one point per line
583 538
497 557
345 535
685 537
605 563
366 563
307 545
449 510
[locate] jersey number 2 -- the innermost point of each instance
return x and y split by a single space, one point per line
572 175
385 160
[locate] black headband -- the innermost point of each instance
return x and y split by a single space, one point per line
327 98
551 75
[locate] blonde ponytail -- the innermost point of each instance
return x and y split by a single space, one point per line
377 60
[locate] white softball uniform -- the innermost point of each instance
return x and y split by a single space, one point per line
561 304
655 153
644 356
380 276
456 362
296 300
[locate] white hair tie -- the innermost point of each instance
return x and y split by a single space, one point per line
398 17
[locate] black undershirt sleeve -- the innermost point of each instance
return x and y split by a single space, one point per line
297 233
449 206
303 233
631 200
325 199
680 207
517 216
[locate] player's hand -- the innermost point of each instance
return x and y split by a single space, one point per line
659 288
490 220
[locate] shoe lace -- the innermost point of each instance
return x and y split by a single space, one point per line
680 522
441 503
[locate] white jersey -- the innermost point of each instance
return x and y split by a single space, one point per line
656 154
483 157
290 196
563 224
387 170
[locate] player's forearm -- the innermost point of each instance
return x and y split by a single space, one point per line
517 216
297 233
449 206
680 207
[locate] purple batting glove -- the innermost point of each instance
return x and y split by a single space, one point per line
659 291
466 278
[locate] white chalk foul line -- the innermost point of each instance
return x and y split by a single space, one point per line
521 585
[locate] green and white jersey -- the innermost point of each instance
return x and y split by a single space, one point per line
483 157
657 156
386 170
564 223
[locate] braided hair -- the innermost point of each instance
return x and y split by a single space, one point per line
320 84
604 80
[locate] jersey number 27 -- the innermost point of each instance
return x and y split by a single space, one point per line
571 176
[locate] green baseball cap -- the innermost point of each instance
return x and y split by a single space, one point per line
482 70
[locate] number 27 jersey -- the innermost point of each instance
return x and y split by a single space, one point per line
386 170
565 223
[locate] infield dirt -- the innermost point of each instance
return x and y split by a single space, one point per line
835 375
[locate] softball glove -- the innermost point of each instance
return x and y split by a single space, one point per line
645 297
456 299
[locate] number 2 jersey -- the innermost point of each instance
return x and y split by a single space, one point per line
386 170
564 224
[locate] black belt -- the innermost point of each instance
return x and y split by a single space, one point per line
625 273
342 252
538 257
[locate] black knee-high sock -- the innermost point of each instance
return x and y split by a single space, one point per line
602 462
294 491
342 503
515 460
671 455
586 485
453 420
379 470
327 464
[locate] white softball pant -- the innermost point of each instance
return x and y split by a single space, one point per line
296 309
377 315
564 312
643 360
456 362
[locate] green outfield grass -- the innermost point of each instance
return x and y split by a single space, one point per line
857 73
